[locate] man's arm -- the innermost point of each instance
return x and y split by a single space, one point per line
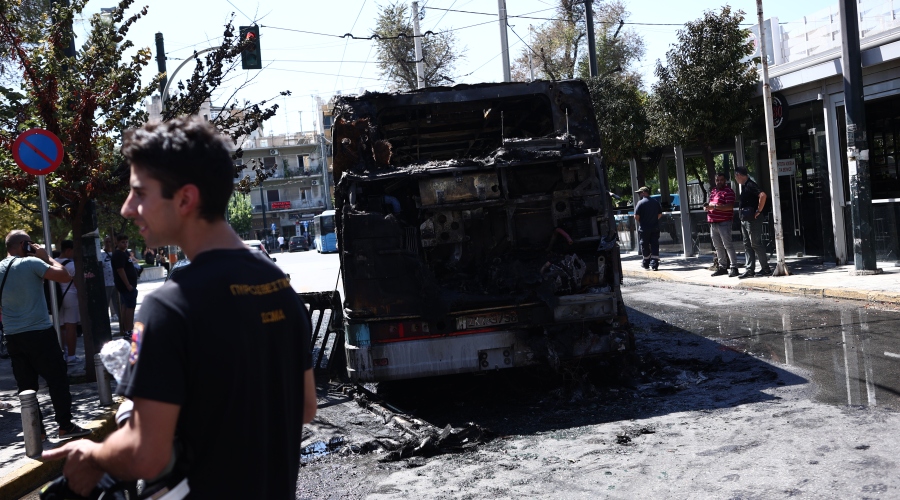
56 271
309 396
121 272
139 450
762 204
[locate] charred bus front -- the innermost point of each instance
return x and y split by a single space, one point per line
475 230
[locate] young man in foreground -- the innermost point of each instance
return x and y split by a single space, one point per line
221 360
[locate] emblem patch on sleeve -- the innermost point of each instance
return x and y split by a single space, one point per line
136 334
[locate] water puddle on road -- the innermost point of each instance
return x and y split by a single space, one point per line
851 353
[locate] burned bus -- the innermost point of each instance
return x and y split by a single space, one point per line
476 230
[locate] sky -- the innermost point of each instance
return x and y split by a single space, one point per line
302 50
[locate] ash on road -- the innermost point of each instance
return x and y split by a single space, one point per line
732 394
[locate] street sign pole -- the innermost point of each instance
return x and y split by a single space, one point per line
54 304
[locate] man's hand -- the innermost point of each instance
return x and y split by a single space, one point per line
40 252
80 470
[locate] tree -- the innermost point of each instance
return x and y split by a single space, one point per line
618 48
396 50
620 108
89 100
703 94
556 46
240 213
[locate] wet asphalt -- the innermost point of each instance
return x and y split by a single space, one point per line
850 353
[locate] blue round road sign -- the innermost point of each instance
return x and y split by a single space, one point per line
38 151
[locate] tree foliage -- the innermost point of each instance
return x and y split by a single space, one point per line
703 94
396 53
618 48
240 213
89 100
620 108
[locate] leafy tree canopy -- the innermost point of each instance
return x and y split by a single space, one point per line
703 93
396 50
240 213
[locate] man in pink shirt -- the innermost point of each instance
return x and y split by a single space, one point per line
719 214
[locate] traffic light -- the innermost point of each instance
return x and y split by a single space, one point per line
250 56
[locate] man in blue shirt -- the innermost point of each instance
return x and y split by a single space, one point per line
30 337
647 213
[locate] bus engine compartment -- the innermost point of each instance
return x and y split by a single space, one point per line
475 230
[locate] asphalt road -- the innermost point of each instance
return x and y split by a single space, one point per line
733 394
310 271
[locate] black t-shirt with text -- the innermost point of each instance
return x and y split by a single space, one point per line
228 340
120 260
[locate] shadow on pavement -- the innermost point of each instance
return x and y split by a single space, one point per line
673 371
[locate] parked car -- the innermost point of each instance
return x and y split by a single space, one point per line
298 243
674 200
258 245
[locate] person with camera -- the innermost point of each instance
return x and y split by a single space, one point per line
30 336
720 215
226 395
753 201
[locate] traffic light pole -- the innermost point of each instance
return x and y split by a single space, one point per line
171 77
857 145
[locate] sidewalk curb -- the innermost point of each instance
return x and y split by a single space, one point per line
35 473
881 298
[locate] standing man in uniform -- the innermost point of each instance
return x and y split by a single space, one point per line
232 389
126 283
30 336
720 215
647 213
753 201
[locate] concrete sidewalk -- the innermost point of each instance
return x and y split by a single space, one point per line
808 277
19 474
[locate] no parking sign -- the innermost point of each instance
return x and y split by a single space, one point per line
38 151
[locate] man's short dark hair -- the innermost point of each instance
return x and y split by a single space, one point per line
185 151
721 174
66 245
742 170
121 237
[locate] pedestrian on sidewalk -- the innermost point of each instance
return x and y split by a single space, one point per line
30 336
647 213
720 215
126 283
69 315
112 295
281 243
234 388
752 204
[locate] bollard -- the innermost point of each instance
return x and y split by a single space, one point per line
31 423
103 390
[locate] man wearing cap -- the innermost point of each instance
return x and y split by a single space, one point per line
647 213
720 214
753 201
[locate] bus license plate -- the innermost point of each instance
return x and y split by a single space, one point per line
486 320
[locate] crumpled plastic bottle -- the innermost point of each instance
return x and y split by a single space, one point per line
114 356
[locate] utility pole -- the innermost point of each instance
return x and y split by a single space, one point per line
857 144
780 267
592 44
420 61
161 64
504 43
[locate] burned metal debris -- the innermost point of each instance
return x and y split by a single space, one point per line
470 210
